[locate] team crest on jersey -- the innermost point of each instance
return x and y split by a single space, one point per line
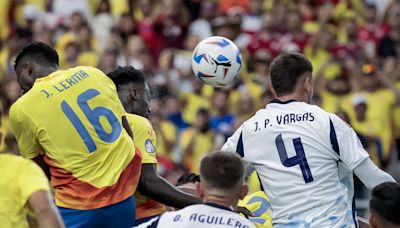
148 145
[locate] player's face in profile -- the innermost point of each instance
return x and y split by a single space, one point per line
142 100
24 77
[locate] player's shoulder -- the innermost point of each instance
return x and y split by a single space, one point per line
138 121
6 158
17 162
87 71
16 107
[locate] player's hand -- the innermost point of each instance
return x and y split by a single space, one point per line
245 212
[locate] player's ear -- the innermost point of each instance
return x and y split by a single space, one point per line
200 189
308 84
244 190
133 93
272 89
372 220
29 66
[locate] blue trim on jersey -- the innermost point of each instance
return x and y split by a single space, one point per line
379 151
353 209
155 223
334 141
143 220
282 102
239 147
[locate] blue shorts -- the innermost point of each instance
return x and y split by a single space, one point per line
119 215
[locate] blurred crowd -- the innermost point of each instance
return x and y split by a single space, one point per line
353 45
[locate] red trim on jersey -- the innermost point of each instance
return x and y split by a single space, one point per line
73 193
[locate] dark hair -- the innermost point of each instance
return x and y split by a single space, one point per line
286 69
39 52
203 112
187 178
222 170
125 75
385 201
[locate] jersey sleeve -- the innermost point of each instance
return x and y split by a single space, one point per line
145 139
31 179
346 143
235 143
24 131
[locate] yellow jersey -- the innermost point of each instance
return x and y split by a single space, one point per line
258 204
396 116
74 117
169 131
380 106
145 141
202 146
20 178
193 102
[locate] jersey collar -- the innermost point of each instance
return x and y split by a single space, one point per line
276 101
218 206
48 77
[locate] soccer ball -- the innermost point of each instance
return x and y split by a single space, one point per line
216 61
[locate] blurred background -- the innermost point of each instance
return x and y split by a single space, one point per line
353 45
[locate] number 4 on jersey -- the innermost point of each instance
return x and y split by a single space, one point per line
300 158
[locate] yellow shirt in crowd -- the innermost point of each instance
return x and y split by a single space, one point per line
202 146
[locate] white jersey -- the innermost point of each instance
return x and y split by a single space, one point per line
296 149
199 216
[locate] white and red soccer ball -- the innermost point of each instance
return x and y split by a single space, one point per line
216 61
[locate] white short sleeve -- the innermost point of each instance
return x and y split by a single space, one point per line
232 143
350 150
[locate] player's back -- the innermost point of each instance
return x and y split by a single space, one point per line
294 149
199 216
76 117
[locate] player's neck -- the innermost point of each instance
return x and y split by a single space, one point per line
221 200
45 71
293 96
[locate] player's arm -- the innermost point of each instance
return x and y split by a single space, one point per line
125 124
39 160
371 175
351 152
46 211
34 191
24 131
154 186
235 144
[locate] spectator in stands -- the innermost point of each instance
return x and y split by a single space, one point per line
201 27
102 23
385 206
197 141
222 122
165 130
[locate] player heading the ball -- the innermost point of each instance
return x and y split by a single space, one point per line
73 120
301 161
